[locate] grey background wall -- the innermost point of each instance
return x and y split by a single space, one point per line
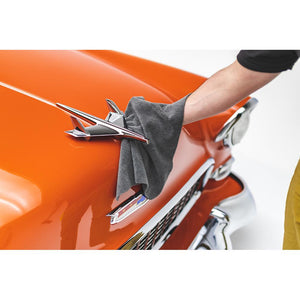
269 152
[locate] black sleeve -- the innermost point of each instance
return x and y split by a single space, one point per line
268 61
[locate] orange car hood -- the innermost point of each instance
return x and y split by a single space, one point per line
39 162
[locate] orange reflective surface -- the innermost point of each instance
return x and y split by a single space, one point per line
55 190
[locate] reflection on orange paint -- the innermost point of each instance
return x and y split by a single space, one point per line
56 191
17 197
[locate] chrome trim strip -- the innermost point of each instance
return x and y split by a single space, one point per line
229 215
8 86
164 211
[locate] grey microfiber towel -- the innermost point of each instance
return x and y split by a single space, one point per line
149 164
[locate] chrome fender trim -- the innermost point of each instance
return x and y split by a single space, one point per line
231 214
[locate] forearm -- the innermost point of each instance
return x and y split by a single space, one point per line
222 90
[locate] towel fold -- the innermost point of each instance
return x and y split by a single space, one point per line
149 164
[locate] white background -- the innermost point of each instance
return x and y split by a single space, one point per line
270 150
176 25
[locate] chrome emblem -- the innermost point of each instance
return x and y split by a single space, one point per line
113 126
127 208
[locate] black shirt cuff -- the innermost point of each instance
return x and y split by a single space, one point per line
268 61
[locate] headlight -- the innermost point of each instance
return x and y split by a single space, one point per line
235 128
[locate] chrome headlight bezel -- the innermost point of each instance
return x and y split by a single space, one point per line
236 126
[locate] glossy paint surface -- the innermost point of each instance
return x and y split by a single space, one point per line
56 190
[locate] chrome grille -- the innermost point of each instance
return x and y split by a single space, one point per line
159 228
150 238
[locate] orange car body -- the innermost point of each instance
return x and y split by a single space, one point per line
55 190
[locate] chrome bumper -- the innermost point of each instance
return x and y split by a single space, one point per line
229 215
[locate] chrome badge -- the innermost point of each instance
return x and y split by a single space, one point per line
127 208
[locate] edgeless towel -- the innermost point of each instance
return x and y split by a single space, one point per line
149 164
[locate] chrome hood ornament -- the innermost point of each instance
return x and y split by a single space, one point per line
113 126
